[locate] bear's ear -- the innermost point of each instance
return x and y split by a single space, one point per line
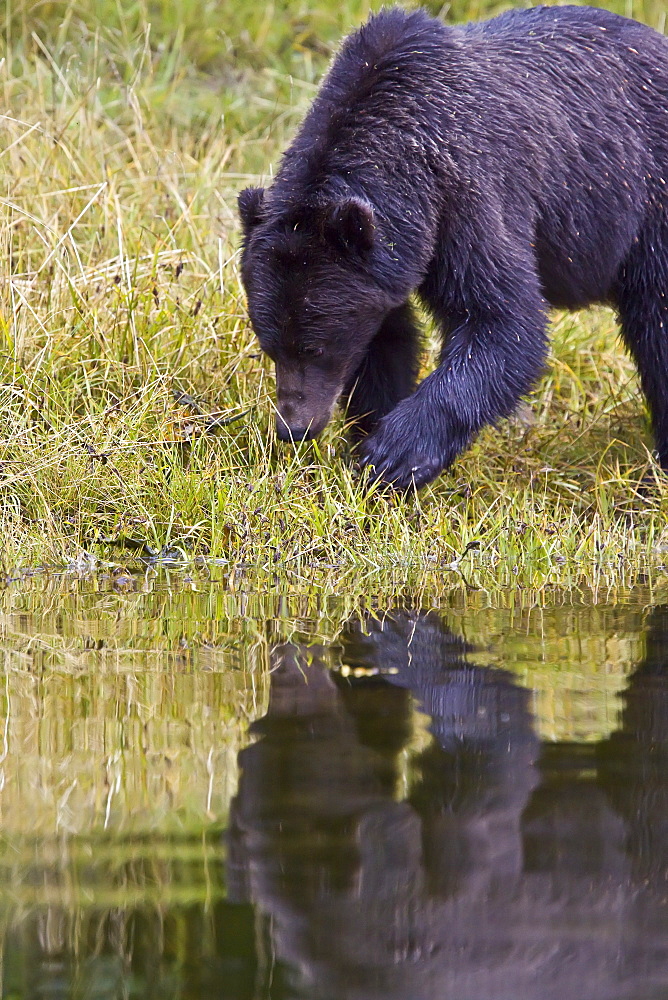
351 223
250 202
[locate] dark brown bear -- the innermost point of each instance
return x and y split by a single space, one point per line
494 169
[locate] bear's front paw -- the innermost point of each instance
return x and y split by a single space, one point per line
402 457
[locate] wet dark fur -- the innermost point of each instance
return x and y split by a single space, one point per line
494 169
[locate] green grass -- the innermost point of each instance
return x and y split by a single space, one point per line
126 131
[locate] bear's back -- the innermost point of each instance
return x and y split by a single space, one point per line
544 20
545 25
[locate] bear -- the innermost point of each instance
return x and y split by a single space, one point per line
490 171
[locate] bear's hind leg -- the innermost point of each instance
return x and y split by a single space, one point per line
387 374
642 302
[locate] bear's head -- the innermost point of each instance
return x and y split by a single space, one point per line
312 300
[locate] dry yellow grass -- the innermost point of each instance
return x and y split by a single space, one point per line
123 330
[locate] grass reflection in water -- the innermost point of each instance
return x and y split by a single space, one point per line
208 793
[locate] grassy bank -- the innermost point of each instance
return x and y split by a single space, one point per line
135 412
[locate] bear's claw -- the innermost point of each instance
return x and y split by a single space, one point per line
401 464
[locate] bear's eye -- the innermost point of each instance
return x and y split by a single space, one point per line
311 352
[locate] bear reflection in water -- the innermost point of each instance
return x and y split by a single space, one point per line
495 866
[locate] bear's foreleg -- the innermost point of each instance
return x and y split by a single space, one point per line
387 374
487 364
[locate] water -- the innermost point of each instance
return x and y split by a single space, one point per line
213 793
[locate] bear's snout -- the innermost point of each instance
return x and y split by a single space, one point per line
299 426
285 433
305 401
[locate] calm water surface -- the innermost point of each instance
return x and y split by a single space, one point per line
207 793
